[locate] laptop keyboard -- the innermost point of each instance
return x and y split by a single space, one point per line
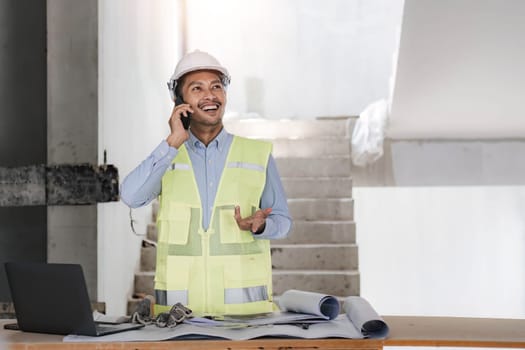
101 329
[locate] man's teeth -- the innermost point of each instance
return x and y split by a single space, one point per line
209 108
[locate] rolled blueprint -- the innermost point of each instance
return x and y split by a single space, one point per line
322 305
364 317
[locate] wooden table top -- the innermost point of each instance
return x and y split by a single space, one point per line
455 331
404 331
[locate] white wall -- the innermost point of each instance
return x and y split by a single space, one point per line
460 72
138 49
296 58
442 251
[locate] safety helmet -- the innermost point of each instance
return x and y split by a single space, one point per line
193 61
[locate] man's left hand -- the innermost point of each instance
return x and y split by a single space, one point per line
254 223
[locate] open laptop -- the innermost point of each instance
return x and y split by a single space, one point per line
53 298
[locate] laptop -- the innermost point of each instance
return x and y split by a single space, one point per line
53 298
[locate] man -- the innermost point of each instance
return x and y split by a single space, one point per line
221 201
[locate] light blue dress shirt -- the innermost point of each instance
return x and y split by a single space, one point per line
143 184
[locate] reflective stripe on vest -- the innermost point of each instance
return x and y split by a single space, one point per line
231 295
222 270
171 297
178 166
246 166
245 295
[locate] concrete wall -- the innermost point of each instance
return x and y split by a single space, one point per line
460 71
299 59
72 125
139 46
440 228
444 251
22 124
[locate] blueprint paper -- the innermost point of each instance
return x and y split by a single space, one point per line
325 306
365 318
341 327
305 315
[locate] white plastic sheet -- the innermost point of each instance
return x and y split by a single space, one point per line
369 133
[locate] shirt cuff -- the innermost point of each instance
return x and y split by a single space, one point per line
268 229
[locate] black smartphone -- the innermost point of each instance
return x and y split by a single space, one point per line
185 120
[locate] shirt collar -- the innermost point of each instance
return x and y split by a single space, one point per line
219 141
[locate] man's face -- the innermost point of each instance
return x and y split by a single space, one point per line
204 92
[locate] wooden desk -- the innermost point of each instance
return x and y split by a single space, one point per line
455 331
404 331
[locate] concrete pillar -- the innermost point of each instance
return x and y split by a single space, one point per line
22 124
72 125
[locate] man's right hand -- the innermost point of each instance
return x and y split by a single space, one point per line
178 134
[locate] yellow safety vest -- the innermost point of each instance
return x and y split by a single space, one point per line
222 270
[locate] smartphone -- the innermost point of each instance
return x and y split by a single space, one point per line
185 120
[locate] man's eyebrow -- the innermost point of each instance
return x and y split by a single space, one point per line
200 82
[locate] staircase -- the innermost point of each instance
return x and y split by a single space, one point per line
313 159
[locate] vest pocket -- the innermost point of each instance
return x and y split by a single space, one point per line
246 271
174 222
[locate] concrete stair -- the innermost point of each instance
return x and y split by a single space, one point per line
333 282
314 256
326 166
320 254
317 187
311 209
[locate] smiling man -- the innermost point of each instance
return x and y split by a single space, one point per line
221 201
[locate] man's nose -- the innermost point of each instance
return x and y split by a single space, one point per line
209 94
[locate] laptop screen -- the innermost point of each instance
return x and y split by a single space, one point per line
50 298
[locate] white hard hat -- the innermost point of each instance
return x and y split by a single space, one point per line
193 61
